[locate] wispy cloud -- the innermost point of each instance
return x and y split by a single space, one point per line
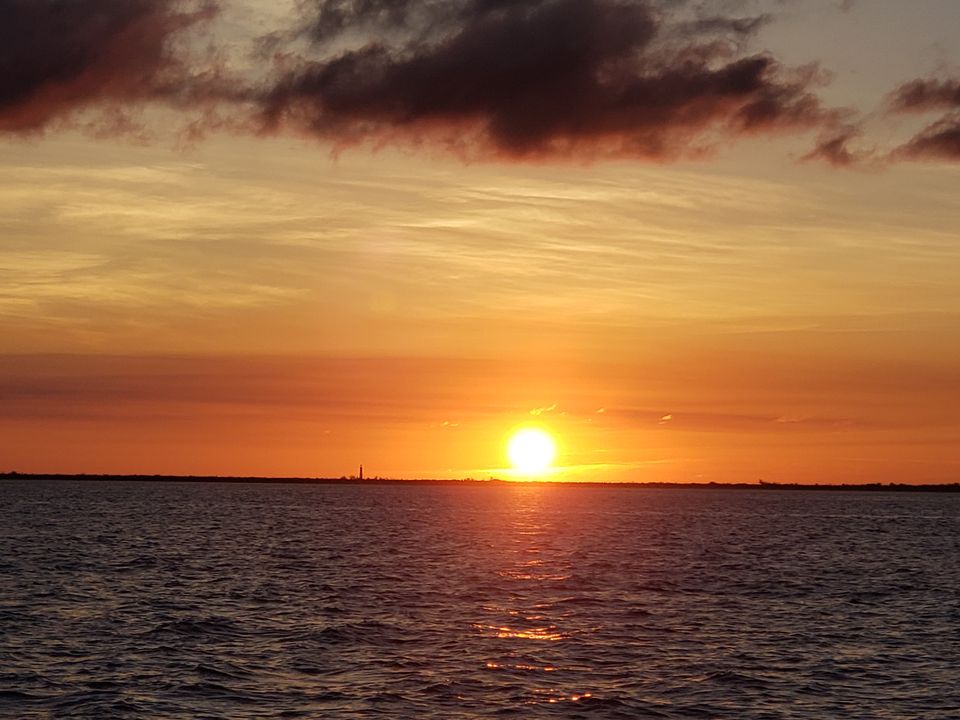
546 410
707 421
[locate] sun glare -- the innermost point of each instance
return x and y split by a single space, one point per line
531 451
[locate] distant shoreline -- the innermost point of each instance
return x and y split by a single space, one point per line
762 485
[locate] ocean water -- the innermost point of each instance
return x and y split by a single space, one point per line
176 600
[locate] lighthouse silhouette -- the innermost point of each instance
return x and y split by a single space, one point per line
361 471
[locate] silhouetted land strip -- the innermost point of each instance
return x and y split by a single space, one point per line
761 485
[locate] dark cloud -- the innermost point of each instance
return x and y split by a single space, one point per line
941 139
922 95
60 56
513 79
834 147
529 79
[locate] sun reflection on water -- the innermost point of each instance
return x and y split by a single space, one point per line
537 633
529 614
520 666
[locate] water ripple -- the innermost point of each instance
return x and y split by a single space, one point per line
151 600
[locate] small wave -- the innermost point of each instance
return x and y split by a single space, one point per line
21 696
729 677
369 632
223 671
197 627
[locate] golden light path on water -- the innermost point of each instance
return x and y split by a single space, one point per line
536 562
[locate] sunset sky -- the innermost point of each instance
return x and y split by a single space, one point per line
696 241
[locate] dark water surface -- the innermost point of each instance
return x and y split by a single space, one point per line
144 600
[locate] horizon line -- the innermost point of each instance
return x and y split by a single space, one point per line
354 480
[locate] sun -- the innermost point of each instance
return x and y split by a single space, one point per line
531 451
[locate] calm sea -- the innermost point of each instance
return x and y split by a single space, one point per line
153 600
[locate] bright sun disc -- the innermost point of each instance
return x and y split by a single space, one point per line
531 451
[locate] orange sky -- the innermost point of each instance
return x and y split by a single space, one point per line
244 302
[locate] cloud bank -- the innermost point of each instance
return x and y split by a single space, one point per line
514 80
538 79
